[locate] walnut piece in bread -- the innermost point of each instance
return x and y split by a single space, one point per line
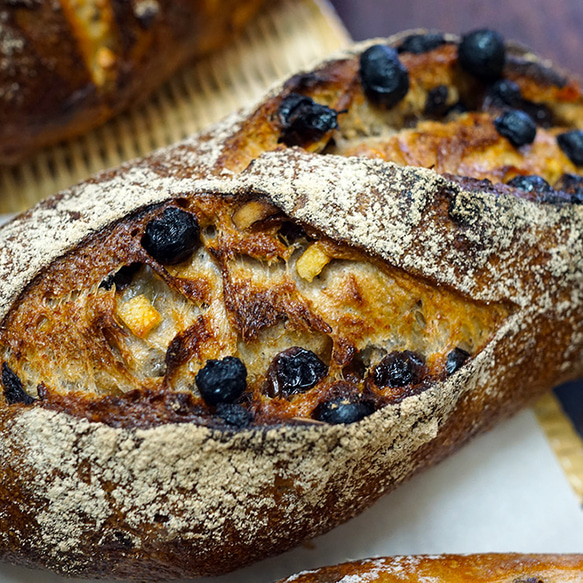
235 344
67 66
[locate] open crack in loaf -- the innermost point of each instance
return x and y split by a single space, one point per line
235 344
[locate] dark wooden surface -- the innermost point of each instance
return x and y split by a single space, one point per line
553 28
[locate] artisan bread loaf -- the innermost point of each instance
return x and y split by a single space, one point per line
487 568
67 66
239 342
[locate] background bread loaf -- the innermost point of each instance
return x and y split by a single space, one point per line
487 568
67 66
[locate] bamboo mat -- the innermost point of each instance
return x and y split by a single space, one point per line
563 439
288 35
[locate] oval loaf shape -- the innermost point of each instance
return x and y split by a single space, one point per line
235 344
67 66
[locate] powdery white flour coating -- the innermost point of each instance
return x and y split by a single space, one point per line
179 499
200 483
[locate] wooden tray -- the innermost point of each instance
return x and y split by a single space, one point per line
563 438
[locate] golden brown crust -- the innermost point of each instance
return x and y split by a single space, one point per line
66 67
486 568
140 495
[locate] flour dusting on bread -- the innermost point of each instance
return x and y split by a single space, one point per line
123 465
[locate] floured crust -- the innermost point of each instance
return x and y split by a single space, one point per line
487 568
171 500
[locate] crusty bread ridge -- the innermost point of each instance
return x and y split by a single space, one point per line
485 568
175 500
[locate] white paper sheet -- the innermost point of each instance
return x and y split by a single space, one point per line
505 491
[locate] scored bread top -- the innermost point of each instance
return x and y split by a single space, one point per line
483 240
179 169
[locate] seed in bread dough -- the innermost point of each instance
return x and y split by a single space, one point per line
384 78
172 237
572 145
399 369
295 370
343 410
222 381
517 127
482 53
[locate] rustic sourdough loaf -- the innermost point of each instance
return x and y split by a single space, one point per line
67 66
235 344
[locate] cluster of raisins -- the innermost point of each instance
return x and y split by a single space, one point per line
482 54
222 383
173 236
385 81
